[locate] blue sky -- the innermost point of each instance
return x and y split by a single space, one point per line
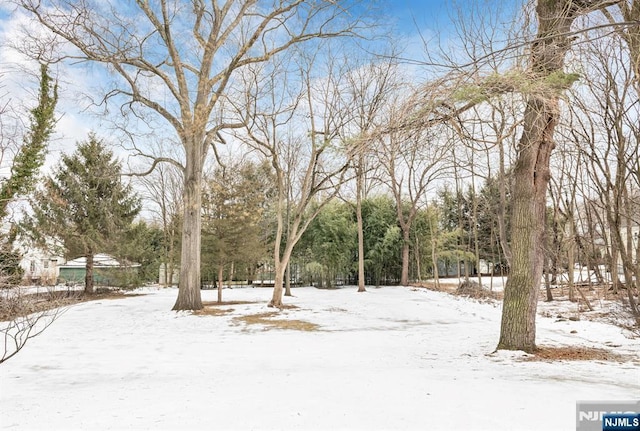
429 13
413 19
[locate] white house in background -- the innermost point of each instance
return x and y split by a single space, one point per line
40 267
47 270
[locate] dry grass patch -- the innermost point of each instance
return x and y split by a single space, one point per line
212 311
576 353
223 303
442 286
266 320
213 308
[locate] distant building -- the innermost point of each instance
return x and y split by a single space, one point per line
40 267
107 271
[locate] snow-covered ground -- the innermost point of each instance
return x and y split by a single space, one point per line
392 358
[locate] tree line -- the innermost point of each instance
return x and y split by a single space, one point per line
536 122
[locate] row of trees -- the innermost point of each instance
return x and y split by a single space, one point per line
268 79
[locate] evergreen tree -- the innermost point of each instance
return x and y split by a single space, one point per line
234 200
330 242
382 240
141 244
84 206
489 211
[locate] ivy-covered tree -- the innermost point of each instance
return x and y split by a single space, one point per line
24 167
84 206
31 154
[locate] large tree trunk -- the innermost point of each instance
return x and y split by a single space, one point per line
527 224
278 289
280 268
532 174
279 262
189 286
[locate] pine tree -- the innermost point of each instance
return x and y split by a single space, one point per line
234 201
84 206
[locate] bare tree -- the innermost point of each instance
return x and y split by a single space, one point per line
605 131
532 173
164 189
628 13
25 321
175 61
412 160
10 127
369 88
309 167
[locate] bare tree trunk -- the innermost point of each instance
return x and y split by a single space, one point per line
287 280
474 223
189 286
279 266
418 254
359 180
220 282
276 298
547 278
404 277
531 175
231 274
434 253
571 257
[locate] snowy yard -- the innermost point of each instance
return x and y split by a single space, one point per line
392 358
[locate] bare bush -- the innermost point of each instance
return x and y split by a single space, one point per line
475 290
25 316
621 315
